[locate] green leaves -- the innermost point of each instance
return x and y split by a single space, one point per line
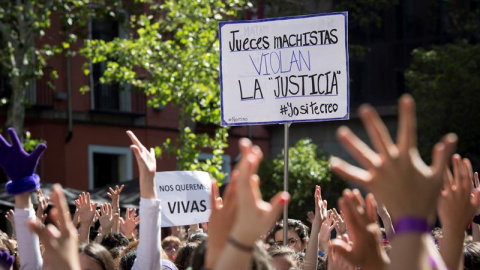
307 167
445 83
172 55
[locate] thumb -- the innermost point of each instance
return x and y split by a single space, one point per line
277 203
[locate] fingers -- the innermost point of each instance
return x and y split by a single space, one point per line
407 124
120 189
134 139
60 202
14 138
370 208
448 179
349 172
442 151
3 142
476 180
230 192
376 130
213 196
35 155
457 169
467 183
357 148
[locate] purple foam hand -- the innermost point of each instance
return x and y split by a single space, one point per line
6 260
19 166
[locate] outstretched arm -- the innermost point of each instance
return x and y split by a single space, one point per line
456 207
238 252
20 166
311 255
398 177
149 246
61 244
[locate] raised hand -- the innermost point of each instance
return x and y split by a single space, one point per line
10 218
86 214
365 251
337 261
456 207
106 217
114 194
382 211
340 225
457 204
76 218
61 244
326 231
42 205
18 165
320 205
396 174
147 166
250 207
130 223
221 219
86 209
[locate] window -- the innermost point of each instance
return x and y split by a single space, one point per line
226 165
111 97
108 165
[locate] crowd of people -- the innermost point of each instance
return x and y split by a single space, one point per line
390 228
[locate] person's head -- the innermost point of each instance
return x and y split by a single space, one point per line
198 257
283 258
261 260
182 261
171 245
6 245
94 256
114 242
471 256
297 234
197 237
127 260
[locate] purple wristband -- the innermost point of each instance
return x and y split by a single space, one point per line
26 184
411 225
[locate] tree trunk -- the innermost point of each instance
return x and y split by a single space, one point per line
16 108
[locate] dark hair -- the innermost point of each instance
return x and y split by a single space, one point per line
99 254
198 256
293 224
197 237
127 260
182 261
113 240
471 255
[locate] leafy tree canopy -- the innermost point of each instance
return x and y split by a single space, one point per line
172 55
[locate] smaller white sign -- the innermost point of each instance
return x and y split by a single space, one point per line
185 197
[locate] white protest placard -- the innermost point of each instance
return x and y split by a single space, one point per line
282 70
185 197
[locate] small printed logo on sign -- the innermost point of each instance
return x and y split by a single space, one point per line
236 120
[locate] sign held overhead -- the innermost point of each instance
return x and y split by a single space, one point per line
283 70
